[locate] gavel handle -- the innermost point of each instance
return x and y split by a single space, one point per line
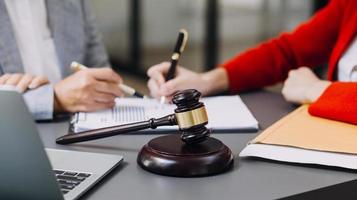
169 120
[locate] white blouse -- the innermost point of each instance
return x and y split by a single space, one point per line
347 66
33 37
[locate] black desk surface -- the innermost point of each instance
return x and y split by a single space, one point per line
249 179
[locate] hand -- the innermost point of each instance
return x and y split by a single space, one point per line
207 83
303 86
87 90
23 82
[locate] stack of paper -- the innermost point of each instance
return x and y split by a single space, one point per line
224 113
302 138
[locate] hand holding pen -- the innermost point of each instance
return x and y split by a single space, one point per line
166 78
75 66
169 70
179 47
87 90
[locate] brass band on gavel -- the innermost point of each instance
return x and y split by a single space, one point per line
192 118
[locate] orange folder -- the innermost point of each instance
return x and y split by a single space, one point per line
300 129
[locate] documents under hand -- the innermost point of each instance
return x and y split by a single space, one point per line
225 113
302 138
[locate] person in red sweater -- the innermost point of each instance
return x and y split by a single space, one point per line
328 37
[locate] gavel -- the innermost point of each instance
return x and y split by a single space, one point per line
190 116
193 153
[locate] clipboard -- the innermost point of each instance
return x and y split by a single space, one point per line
237 120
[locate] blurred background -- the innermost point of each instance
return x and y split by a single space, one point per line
139 34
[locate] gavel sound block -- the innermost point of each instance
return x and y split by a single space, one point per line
191 152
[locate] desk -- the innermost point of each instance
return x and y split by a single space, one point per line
249 179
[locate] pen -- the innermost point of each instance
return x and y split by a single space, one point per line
75 66
180 46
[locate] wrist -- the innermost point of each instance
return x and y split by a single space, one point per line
214 81
316 90
57 106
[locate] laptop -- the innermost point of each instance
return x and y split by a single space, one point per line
28 171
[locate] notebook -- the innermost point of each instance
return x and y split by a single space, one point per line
225 113
302 138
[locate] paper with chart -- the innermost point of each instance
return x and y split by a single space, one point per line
224 113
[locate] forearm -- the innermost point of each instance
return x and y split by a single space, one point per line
269 63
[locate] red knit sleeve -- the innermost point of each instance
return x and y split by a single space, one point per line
338 102
309 45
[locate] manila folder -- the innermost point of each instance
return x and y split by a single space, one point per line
300 129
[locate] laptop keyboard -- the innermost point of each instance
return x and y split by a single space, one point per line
68 180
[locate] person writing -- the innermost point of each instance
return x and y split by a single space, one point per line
38 41
329 36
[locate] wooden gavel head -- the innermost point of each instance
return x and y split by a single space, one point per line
191 116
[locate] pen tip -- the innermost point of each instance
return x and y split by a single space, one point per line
74 64
162 100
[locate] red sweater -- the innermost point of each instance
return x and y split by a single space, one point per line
324 38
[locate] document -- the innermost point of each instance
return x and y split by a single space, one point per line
302 138
225 113
299 155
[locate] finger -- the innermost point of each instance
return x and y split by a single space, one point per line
306 69
13 79
24 83
292 72
292 93
158 77
4 78
290 84
38 81
157 72
172 86
154 88
309 73
287 94
285 89
103 97
109 88
105 74
162 68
